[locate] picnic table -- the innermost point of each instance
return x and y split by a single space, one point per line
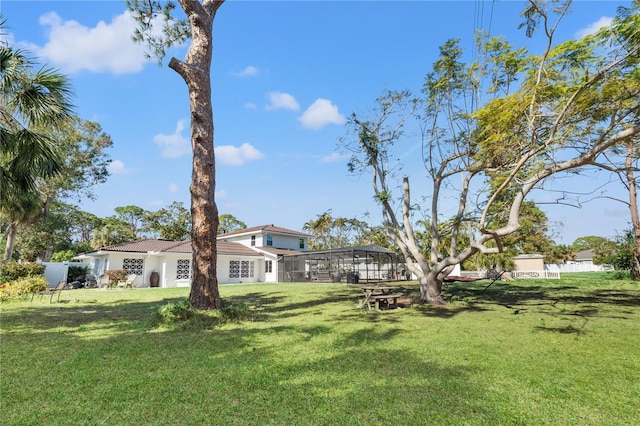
379 296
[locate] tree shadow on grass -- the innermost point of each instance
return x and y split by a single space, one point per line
555 300
271 305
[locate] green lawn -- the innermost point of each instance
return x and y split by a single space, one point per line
557 352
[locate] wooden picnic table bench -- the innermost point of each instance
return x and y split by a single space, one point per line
389 300
379 296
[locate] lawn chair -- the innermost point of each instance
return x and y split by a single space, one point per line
103 281
57 289
128 282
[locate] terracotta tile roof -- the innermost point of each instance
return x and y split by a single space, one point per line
150 245
264 229
226 248
165 246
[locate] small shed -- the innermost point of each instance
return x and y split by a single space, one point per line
529 262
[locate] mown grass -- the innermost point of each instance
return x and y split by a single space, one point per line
527 352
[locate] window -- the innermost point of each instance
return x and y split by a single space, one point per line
234 269
253 241
269 240
301 243
268 266
246 269
183 270
241 269
132 266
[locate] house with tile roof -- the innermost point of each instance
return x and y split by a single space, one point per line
244 256
272 243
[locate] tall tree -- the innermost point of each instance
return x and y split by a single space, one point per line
82 146
632 188
588 242
229 223
170 223
112 231
32 101
47 234
623 161
25 209
195 70
134 217
320 228
329 232
546 115
625 29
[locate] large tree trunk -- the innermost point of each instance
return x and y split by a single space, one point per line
196 72
11 239
633 207
431 289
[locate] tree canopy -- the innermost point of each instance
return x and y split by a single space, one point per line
493 131
33 102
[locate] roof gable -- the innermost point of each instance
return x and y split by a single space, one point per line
264 229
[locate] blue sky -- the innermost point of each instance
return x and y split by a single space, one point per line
285 76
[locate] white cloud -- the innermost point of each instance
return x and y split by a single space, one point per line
605 21
230 155
107 47
250 105
321 113
333 157
173 187
249 71
116 167
281 100
174 145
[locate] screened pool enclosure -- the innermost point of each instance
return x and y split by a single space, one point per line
369 263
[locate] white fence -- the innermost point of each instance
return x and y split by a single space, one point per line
54 272
547 275
577 267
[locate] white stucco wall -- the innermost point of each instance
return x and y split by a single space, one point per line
224 262
279 241
166 264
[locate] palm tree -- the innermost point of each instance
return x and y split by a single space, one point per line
26 207
31 103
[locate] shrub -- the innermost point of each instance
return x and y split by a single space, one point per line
175 312
115 276
77 271
621 275
235 312
12 270
23 286
186 317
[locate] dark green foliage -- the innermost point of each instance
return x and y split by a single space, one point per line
175 312
181 314
235 312
11 270
619 253
621 275
76 271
